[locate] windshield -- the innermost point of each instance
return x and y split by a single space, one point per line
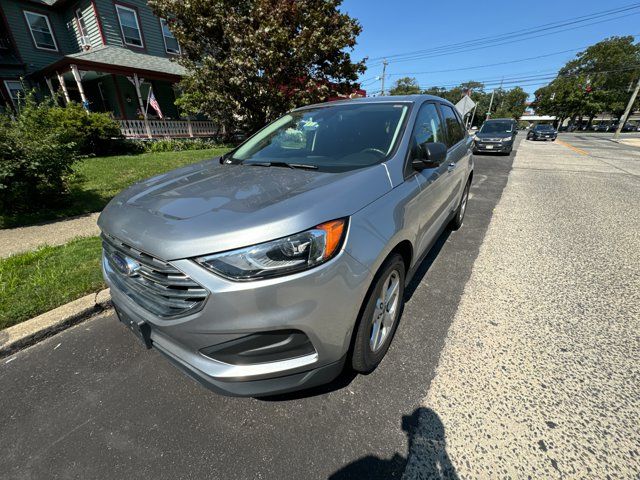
335 138
544 127
497 127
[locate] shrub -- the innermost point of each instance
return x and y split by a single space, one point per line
177 145
34 160
92 133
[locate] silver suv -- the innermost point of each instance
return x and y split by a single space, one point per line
273 267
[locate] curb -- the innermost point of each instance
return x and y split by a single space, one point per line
32 331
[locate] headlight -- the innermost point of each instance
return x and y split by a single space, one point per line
294 253
506 139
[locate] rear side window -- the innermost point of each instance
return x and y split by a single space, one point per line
455 132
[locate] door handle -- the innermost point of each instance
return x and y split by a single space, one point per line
451 167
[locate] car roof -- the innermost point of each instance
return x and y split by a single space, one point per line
500 120
380 99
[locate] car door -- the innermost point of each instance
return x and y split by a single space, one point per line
458 155
430 200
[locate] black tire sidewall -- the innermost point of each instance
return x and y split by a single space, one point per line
363 359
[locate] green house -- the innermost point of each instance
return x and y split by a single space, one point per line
112 56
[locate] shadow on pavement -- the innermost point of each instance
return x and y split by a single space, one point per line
426 442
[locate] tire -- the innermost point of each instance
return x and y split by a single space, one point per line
456 221
368 352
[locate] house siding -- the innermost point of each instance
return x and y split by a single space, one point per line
149 24
33 57
90 20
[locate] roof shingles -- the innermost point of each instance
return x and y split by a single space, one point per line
122 57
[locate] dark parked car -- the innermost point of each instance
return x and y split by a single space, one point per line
496 135
601 127
542 131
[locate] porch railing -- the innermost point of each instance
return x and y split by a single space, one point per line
168 128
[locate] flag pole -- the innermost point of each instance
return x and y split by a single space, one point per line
146 107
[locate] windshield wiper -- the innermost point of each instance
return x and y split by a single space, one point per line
283 164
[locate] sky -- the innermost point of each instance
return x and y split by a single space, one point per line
404 26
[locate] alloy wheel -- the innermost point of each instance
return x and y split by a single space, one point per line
385 312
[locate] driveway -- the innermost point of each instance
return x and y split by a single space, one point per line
91 403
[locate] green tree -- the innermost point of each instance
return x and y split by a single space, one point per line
596 81
511 103
405 86
250 61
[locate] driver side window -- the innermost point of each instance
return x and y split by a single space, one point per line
428 128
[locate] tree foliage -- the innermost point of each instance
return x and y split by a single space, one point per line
506 103
596 81
250 61
405 86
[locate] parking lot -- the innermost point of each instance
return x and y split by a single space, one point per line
514 353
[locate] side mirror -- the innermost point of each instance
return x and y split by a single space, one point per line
428 155
515 132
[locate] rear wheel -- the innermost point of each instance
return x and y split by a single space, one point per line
457 220
379 317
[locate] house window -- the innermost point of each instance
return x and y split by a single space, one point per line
82 29
16 92
129 26
41 31
170 43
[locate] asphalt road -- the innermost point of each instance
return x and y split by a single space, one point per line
91 403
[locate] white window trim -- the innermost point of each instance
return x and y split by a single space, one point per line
6 86
164 39
135 15
79 17
25 12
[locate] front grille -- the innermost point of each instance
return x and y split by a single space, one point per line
155 285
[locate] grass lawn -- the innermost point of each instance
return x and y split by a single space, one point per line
34 282
97 180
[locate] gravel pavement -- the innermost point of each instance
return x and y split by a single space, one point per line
23 239
540 373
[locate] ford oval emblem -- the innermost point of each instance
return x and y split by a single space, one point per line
125 265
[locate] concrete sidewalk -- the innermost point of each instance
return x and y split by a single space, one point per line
540 374
24 239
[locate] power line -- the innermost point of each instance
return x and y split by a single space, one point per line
539 79
498 40
526 31
537 57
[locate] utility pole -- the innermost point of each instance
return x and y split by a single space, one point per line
384 70
490 104
492 95
625 116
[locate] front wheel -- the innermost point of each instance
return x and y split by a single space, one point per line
379 318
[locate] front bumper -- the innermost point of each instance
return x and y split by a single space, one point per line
490 147
544 137
322 303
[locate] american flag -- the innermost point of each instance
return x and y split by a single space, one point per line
154 104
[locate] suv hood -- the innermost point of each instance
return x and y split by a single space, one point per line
208 207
